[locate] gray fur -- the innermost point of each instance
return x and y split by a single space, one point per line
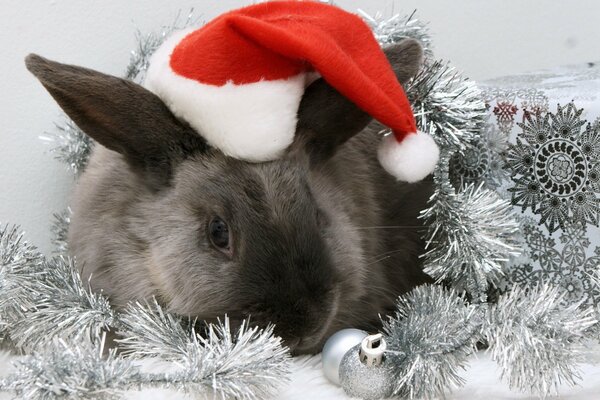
322 240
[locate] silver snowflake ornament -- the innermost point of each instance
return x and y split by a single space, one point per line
555 166
481 161
569 263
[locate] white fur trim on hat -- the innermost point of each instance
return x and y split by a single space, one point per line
410 160
254 122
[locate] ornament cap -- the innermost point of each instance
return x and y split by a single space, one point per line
371 350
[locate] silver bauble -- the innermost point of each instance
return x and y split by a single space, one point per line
335 348
359 380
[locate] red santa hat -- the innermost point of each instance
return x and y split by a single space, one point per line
239 80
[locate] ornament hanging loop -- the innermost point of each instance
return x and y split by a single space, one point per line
371 350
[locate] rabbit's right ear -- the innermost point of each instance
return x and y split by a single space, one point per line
120 115
327 119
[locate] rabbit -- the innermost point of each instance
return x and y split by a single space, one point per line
319 240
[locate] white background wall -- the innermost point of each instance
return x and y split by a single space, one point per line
483 38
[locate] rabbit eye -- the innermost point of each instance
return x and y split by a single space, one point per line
219 234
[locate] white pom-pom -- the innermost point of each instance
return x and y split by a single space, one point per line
410 160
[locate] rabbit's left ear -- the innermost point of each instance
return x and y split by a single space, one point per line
120 115
406 58
327 119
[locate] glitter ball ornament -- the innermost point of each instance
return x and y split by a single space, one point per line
335 348
364 372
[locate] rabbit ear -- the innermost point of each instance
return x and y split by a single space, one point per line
120 115
327 119
406 58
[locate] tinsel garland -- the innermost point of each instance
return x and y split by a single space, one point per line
472 234
530 334
49 313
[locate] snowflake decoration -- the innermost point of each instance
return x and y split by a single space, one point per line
482 160
534 102
505 112
570 268
555 167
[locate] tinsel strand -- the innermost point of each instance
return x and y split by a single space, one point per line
446 105
471 234
16 256
71 145
60 306
76 372
429 339
148 43
45 299
534 340
398 27
249 363
464 248
59 230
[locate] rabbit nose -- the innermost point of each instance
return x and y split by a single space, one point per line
306 323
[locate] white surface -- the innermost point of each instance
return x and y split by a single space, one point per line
482 382
484 38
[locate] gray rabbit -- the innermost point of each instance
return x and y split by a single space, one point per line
316 241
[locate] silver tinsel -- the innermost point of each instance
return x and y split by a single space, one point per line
148 43
45 299
246 363
471 229
446 105
398 27
71 145
535 339
77 372
150 332
472 233
59 230
56 304
249 363
429 339
530 335
16 255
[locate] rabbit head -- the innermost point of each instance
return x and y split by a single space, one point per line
159 212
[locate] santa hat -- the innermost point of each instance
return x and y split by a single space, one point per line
239 79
